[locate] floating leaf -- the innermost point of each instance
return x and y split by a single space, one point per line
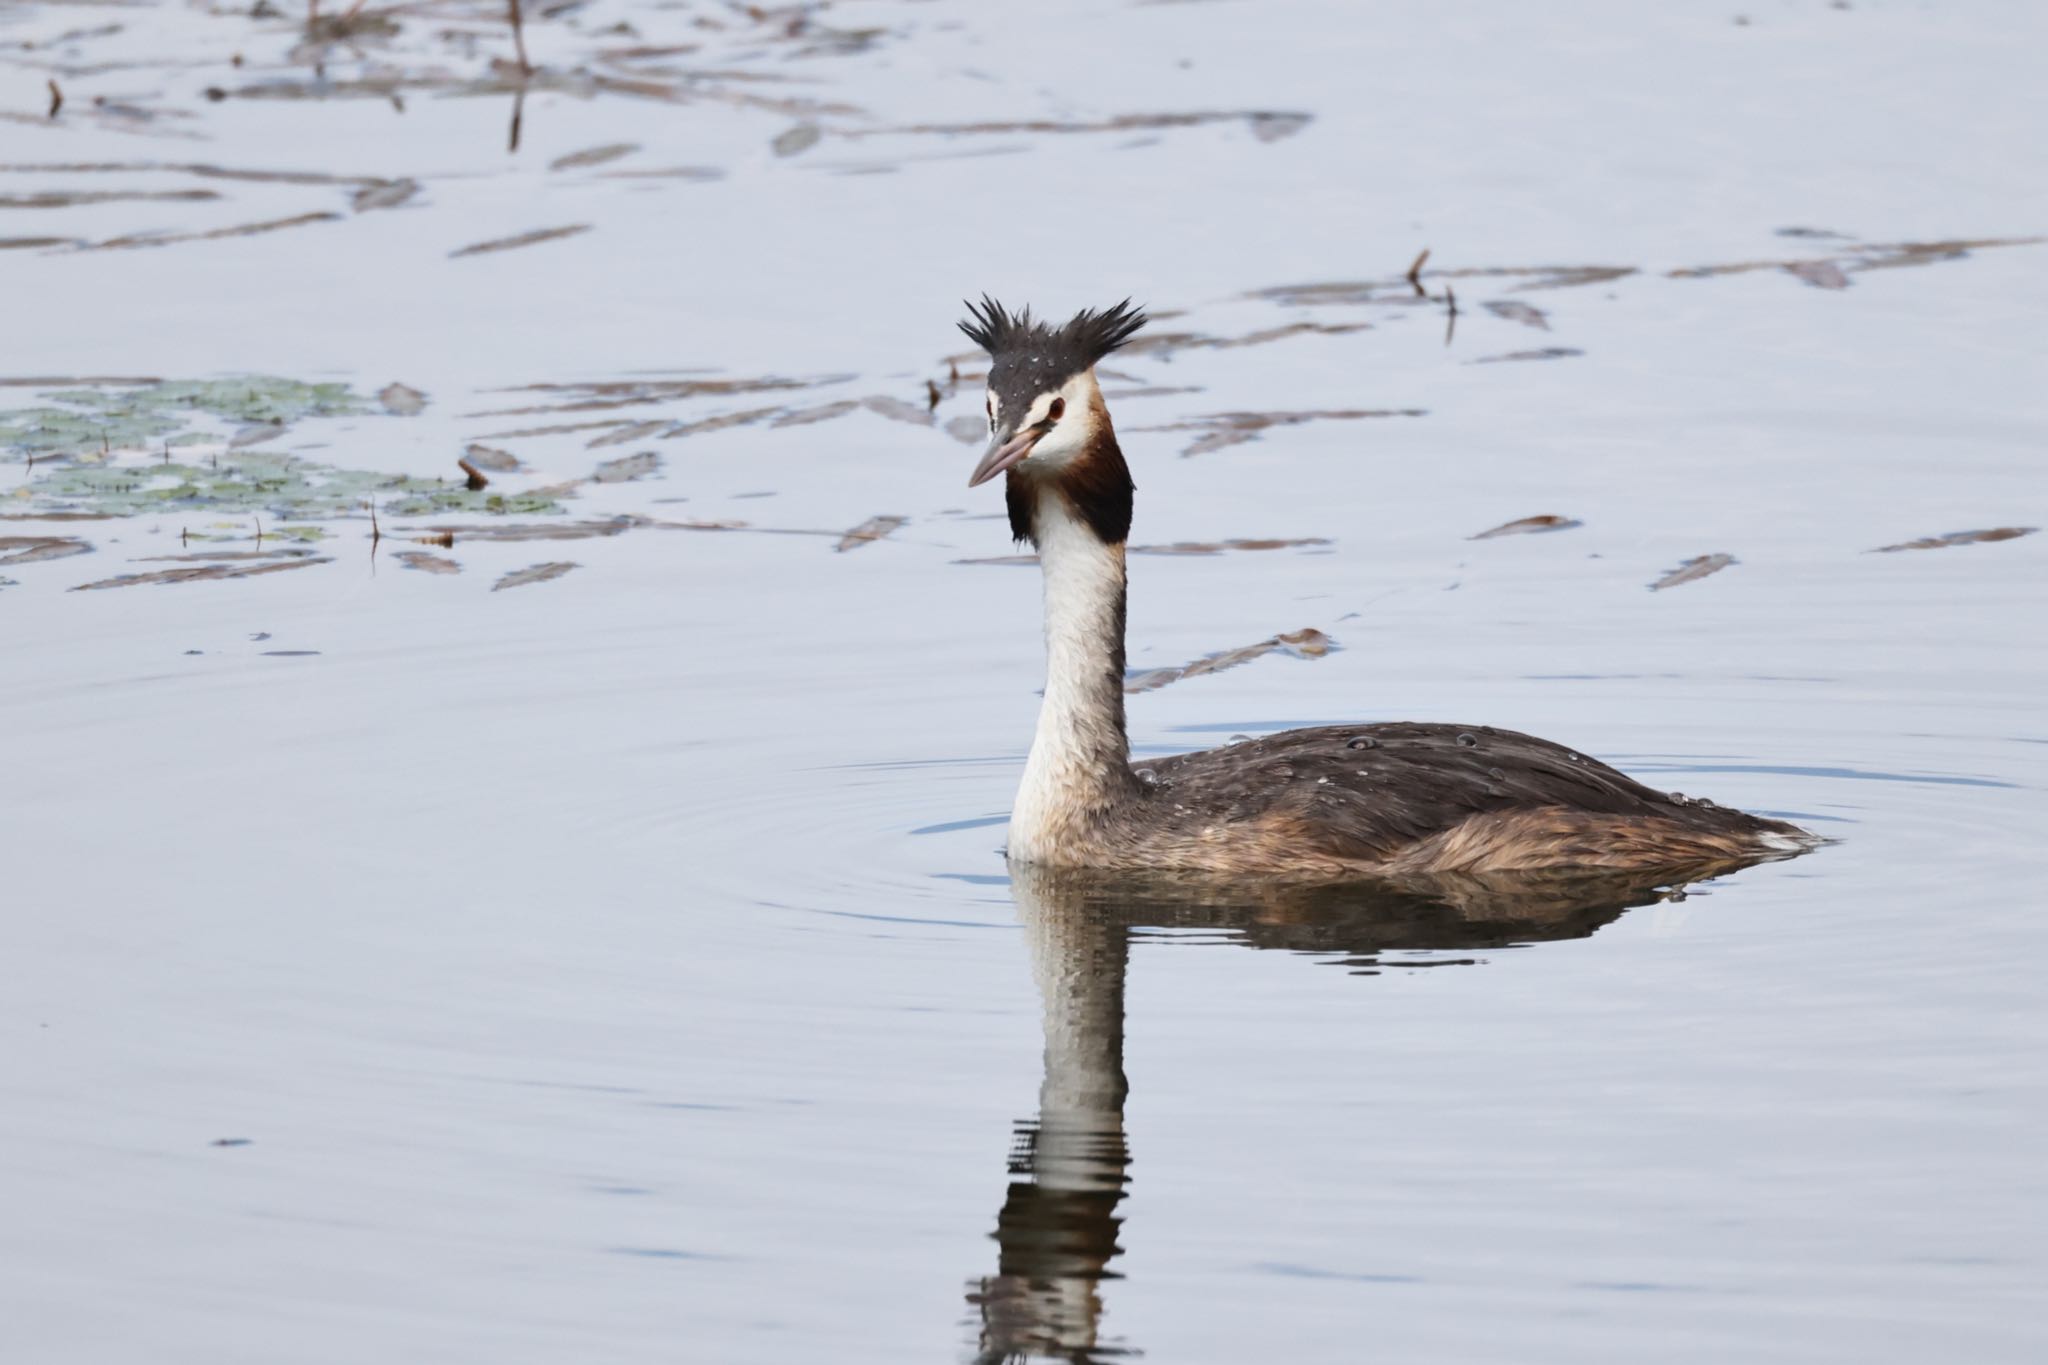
1692 570
797 139
1529 526
1514 310
632 431
559 530
1938 542
1544 353
385 194
29 549
1302 644
402 400
1233 428
824 412
522 239
536 573
626 468
202 572
1819 274
1213 547
594 156
491 458
897 410
969 430
874 528
427 563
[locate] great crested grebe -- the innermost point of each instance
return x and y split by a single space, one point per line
1329 802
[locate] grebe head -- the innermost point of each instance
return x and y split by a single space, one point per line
1044 409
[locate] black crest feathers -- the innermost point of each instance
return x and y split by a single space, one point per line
1084 339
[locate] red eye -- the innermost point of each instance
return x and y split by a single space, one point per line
1057 410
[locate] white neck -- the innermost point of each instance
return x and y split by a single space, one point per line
1080 759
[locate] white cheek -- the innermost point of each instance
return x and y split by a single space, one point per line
1059 445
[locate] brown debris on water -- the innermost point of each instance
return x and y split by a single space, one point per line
426 563
207 572
32 549
1693 570
1542 353
1941 542
1222 429
1414 275
1309 643
1527 526
532 238
534 573
873 529
473 478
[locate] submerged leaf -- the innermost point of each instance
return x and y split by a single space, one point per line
536 573
1692 570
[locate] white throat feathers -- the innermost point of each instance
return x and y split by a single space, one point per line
1075 507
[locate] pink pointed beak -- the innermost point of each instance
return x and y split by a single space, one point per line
1002 455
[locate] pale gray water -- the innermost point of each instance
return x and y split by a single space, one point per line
623 966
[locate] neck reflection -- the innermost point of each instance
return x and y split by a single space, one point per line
1070 1166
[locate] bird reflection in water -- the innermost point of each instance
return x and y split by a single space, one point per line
1070 1167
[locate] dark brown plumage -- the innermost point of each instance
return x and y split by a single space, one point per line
1405 797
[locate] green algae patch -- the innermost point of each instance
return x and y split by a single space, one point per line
203 446
281 486
85 421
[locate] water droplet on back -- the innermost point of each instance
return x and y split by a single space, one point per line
1468 741
1148 777
1363 742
